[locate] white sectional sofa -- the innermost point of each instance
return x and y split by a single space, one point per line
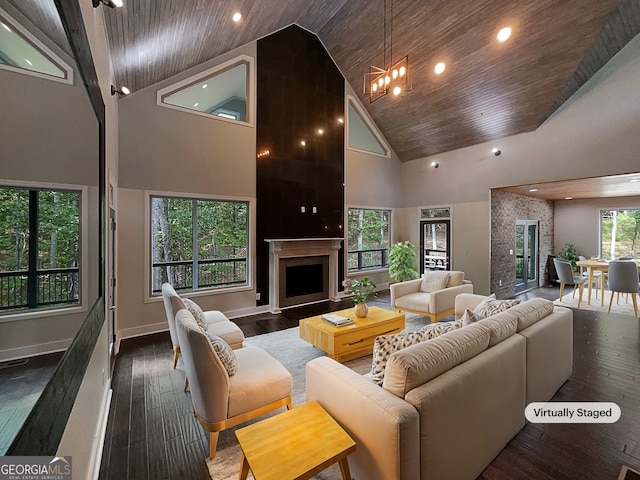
449 405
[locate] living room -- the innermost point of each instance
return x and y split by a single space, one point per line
152 150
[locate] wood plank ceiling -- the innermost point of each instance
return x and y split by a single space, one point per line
488 91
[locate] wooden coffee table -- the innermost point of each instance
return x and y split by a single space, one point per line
294 445
350 341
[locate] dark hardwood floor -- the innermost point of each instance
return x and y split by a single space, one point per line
152 434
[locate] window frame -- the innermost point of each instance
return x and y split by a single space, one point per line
83 256
375 269
37 44
373 129
249 285
212 73
600 232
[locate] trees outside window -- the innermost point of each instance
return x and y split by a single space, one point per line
368 238
198 243
620 234
39 248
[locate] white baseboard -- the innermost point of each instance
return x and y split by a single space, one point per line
98 446
34 350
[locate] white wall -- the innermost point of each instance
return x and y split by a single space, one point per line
593 134
578 221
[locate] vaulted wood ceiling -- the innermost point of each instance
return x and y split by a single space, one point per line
488 91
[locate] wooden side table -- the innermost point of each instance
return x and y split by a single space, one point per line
294 445
350 341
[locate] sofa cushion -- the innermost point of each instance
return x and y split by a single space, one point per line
224 352
385 345
502 326
490 305
432 281
469 317
456 278
412 366
531 311
196 311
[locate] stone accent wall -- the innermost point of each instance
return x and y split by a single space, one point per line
506 208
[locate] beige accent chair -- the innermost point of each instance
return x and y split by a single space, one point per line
408 297
217 322
261 384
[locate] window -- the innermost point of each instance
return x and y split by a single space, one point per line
22 52
198 243
223 92
39 248
368 238
361 134
620 234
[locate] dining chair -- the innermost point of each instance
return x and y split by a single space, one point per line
623 278
567 277
598 275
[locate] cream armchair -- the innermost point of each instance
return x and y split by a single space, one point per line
259 385
217 322
409 296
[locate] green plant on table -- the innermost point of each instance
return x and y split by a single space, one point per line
362 290
402 257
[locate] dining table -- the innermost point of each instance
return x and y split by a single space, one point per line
594 265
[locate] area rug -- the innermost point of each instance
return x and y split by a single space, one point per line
294 353
621 306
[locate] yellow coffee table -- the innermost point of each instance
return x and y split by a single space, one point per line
350 341
294 445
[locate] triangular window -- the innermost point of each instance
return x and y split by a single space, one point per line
222 92
361 134
22 52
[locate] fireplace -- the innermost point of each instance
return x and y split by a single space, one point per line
302 270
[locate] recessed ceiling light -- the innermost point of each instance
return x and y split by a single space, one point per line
237 17
320 131
340 120
303 143
504 34
196 104
533 190
205 85
568 198
439 68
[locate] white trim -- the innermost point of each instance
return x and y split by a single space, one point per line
148 297
373 128
46 51
210 72
103 420
34 350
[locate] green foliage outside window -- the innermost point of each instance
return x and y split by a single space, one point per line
620 230
367 238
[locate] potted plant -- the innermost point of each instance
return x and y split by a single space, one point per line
402 257
568 252
362 290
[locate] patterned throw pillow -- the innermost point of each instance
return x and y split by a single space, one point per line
197 313
432 281
385 345
490 306
469 317
224 352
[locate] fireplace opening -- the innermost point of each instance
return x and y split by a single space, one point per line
303 280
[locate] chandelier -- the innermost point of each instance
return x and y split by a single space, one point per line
383 80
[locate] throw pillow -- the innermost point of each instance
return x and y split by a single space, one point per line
490 306
224 352
456 278
432 281
197 313
385 345
469 317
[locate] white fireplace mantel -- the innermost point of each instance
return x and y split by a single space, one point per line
301 247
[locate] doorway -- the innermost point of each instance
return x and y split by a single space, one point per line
435 244
526 255
111 316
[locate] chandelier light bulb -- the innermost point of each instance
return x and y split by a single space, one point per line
504 34
380 82
237 17
403 70
387 80
374 87
397 90
394 74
